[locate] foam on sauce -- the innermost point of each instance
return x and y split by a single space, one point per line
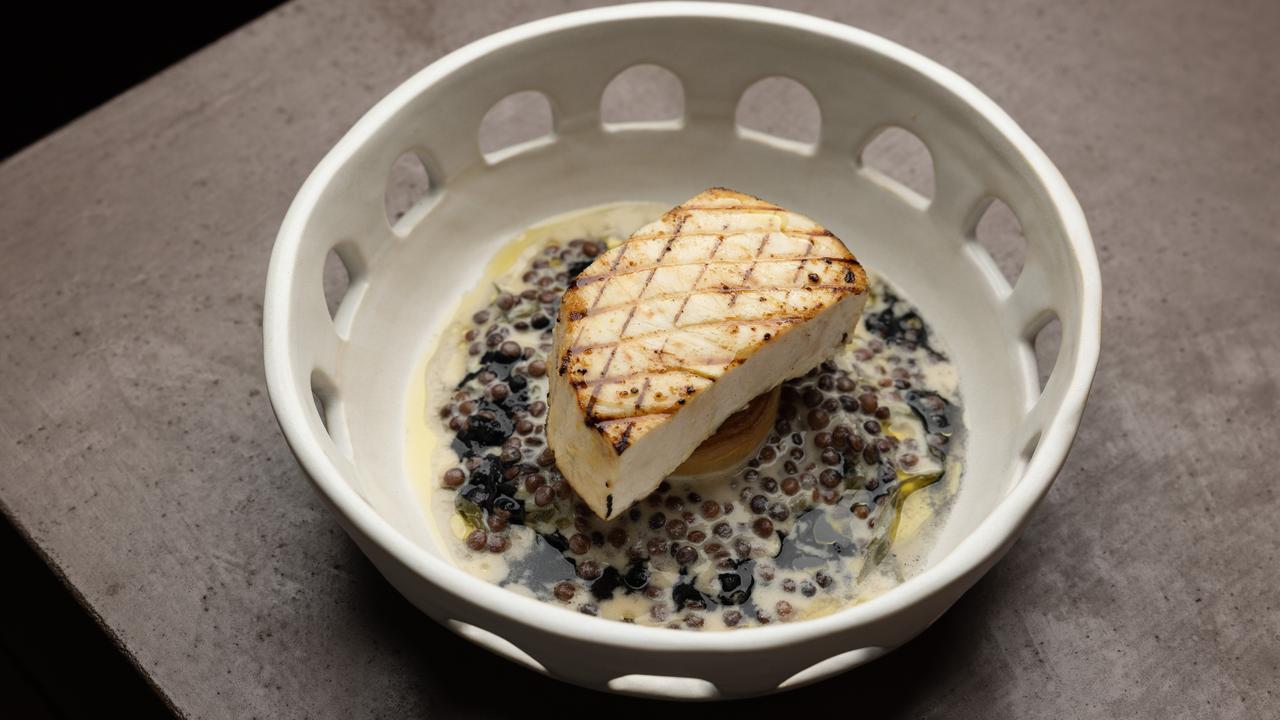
841 503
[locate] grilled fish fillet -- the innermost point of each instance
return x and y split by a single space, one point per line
662 338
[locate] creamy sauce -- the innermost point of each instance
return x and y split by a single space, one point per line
841 503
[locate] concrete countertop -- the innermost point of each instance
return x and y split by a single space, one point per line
140 456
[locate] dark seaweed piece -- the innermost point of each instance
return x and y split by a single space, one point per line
480 431
736 586
513 507
608 581
482 483
924 404
490 433
487 488
637 576
502 368
556 540
483 432
494 357
493 361
476 493
908 329
945 422
683 593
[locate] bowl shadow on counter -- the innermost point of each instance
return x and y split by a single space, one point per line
913 680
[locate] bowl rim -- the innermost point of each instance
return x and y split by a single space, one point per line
981 546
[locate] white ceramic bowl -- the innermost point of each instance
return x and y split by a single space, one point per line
406 278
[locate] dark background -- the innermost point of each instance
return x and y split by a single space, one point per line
63 59
60 62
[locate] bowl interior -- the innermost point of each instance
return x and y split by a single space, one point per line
414 287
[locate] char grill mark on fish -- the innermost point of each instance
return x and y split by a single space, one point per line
621 444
